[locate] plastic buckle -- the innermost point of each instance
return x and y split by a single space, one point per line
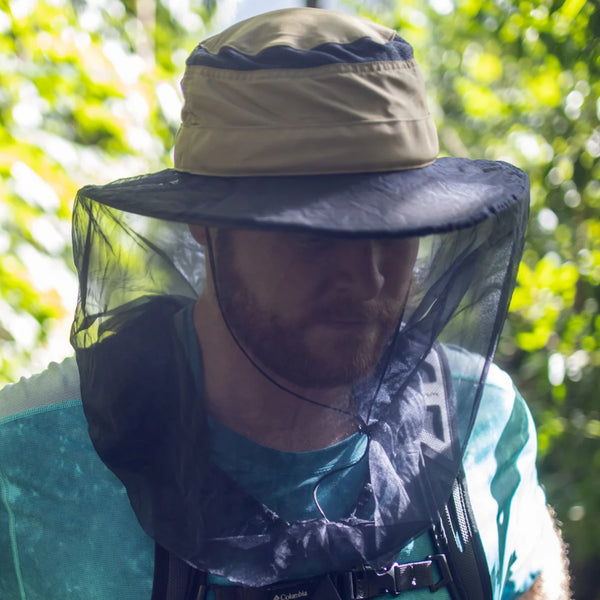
386 580
366 582
444 569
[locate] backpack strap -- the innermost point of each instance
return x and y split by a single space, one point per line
174 579
457 537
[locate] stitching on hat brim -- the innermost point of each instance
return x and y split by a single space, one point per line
300 127
196 71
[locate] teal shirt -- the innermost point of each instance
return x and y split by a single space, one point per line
67 530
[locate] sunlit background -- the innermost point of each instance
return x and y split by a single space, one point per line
89 92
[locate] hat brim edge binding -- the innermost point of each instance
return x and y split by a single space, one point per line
448 195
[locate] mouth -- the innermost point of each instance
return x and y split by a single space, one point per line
357 320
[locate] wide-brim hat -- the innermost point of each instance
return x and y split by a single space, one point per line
308 119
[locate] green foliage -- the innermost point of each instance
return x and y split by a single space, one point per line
520 81
88 93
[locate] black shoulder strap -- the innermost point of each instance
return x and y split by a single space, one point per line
457 537
174 579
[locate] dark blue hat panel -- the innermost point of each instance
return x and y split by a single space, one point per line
285 57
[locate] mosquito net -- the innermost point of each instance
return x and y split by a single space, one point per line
252 509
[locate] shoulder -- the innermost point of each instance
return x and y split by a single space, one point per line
466 368
500 411
56 385
500 467
51 475
501 446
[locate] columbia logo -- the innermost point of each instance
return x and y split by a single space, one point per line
291 596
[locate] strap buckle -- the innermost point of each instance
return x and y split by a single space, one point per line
444 569
366 582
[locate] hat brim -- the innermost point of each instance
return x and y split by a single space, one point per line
450 194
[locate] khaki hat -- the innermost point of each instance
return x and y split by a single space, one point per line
308 119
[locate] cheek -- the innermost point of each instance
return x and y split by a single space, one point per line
398 279
278 281
398 268
298 289
397 289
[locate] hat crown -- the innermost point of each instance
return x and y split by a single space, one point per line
302 92
300 28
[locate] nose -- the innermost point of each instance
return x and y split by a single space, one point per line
361 273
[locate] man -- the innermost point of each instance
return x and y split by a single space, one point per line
310 412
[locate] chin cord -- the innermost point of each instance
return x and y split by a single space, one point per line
211 259
360 423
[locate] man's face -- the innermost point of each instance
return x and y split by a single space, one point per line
313 310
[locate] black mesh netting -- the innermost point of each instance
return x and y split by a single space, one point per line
143 396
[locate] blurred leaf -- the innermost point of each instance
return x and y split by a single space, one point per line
79 104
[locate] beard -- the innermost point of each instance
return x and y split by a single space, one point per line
333 345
